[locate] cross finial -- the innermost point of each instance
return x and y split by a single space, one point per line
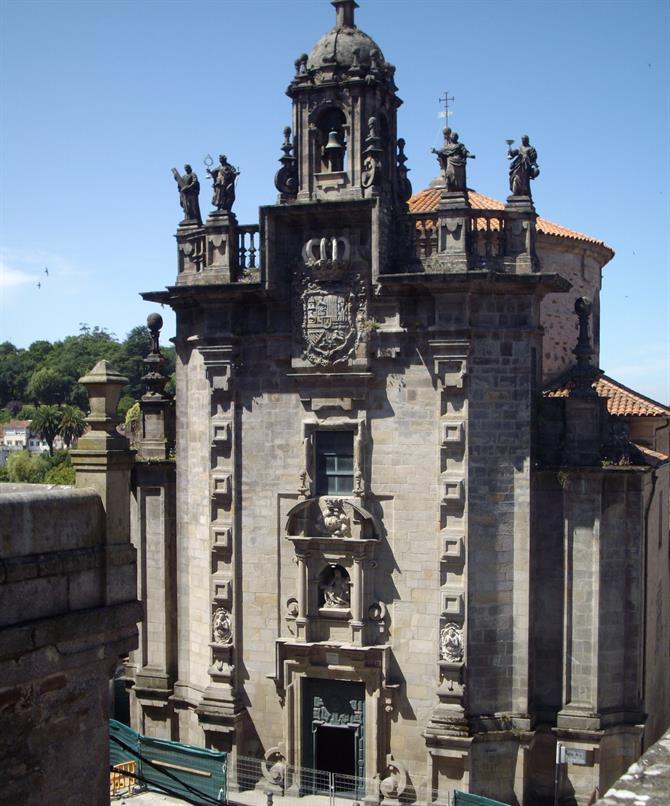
445 100
345 13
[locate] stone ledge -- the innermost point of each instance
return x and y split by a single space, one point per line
74 632
647 781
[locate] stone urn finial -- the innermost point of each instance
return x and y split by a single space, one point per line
103 384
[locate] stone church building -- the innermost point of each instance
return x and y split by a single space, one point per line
412 533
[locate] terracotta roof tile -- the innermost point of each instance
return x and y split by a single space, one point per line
652 458
621 401
427 201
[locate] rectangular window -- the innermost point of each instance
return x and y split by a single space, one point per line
334 462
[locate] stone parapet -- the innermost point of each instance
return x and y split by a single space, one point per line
60 642
646 781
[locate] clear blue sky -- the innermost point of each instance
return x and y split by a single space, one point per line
100 99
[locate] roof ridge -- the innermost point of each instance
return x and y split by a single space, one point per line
623 386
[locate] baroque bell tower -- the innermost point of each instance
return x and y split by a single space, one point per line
344 118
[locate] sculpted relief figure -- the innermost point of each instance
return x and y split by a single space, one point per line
223 184
221 627
189 190
451 643
453 157
335 519
523 167
336 589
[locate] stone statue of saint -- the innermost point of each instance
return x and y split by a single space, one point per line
221 628
223 184
453 157
522 168
189 190
336 590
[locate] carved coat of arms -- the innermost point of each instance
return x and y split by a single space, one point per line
328 325
329 299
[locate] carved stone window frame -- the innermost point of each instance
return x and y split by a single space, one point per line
359 430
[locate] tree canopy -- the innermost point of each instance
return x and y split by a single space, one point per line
48 373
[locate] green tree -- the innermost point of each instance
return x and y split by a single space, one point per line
72 424
47 386
46 423
59 469
22 468
26 412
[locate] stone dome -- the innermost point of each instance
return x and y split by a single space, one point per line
336 49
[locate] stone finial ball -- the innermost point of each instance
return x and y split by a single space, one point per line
154 322
583 306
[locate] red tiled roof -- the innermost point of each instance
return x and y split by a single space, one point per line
427 201
17 424
621 401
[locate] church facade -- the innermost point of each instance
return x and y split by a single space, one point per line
412 534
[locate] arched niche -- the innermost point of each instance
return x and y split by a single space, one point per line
330 128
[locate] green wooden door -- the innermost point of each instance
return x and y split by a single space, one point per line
333 732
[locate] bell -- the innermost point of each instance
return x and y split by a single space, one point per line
333 143
333 152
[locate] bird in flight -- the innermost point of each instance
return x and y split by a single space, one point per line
46 271
39 285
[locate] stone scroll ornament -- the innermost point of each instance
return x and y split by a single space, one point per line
222 633
273 766
394 782
286 178
404 185
451 643
372 166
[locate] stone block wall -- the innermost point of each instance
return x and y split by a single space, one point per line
581 265
63 628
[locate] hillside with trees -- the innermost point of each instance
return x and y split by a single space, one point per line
47 374
41 384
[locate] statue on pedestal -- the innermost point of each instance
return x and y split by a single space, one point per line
453 157
223 184
189 190
523 167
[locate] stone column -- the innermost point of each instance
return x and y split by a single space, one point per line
155 538
301 620
357 602
103 461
